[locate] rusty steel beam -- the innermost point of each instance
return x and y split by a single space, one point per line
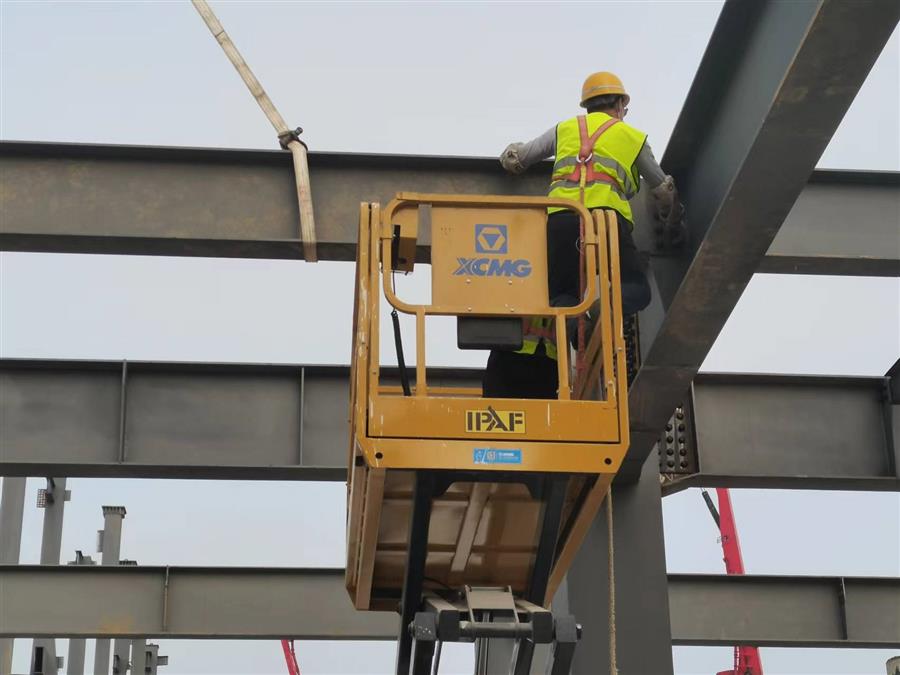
772 88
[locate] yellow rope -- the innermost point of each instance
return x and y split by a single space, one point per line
611 581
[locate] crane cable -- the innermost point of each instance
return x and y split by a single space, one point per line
611 582
288 138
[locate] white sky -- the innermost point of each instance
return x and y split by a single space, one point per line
460 78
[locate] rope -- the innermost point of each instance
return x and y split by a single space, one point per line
287 137
611 581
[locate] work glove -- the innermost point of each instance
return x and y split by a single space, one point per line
670 212
668 209
509 159
664 196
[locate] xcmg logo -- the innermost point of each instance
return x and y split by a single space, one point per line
492 239
493 267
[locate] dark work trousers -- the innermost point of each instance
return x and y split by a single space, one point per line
512 375
563 233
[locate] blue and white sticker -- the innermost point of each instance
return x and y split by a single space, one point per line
496 456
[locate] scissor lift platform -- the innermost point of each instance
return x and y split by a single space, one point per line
449 490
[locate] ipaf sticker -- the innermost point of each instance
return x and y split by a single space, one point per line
496 456
492 421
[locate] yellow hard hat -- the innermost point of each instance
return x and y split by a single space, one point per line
601 84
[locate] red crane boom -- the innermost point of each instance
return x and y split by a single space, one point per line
290 658
746 659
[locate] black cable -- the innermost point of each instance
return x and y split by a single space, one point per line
713 511
398 345
439 583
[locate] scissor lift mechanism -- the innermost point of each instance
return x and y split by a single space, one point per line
466 528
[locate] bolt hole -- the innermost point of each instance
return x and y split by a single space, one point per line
607 461
379 455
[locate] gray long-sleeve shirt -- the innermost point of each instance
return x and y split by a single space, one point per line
544 146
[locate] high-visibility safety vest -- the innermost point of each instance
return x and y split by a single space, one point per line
595 163
536 329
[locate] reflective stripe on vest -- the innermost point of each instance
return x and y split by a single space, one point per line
595 162
535 330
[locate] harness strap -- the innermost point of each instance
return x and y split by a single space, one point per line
585 156
538 329
584 169
589 141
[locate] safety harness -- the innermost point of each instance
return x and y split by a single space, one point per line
584 173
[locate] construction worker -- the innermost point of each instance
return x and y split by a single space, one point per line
530 372
600 161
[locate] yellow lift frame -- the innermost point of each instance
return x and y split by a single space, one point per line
447 490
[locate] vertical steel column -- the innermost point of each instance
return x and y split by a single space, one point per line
139 658
54 504
145 658
75 657
154 660
12 509
53 500
121 654
644 637
110 546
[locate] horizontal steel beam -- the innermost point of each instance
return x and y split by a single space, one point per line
784 611
242 203
764 431
820 235
252 422
178 420
772 88
310 604
184 602
74 198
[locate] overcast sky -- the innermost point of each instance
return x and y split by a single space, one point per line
462 79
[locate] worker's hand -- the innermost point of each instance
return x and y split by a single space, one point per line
670 213
668 209
664 198
510 159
